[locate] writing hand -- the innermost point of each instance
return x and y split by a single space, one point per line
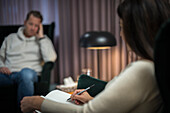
82 98
40 33
5 70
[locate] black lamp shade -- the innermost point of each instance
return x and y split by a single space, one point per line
97 39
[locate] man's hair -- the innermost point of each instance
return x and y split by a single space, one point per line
141 22
35 14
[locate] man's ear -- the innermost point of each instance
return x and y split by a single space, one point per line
25 22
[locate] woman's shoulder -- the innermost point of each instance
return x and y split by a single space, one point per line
141 65
138 70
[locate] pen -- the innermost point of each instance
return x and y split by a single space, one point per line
82 91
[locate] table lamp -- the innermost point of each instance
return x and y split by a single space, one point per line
97 40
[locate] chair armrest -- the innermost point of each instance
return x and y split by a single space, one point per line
46 71
42 87
86 81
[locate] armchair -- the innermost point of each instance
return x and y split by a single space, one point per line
8 93
162 62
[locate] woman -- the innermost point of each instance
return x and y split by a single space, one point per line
135 89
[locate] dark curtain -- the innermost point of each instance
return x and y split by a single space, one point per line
79 16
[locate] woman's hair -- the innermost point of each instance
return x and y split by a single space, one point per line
141 21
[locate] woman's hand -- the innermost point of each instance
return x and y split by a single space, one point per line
82 98
29 104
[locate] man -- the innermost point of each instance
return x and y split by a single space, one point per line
22 54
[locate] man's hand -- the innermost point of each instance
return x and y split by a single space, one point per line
82 98
5 70
40 33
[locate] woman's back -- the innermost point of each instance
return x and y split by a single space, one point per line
133 91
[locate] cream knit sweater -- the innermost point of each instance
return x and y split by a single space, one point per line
133 91
19 52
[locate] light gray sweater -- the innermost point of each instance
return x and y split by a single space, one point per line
133 91
19 52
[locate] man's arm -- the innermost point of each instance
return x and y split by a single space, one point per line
46 46
47 50
3 69
2 53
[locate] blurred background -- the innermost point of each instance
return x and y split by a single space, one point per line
72 19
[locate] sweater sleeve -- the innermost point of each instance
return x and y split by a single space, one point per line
2 54
49 106
122 95
47 50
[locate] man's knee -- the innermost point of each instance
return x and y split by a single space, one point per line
28 74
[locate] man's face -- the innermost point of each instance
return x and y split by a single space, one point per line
31 26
